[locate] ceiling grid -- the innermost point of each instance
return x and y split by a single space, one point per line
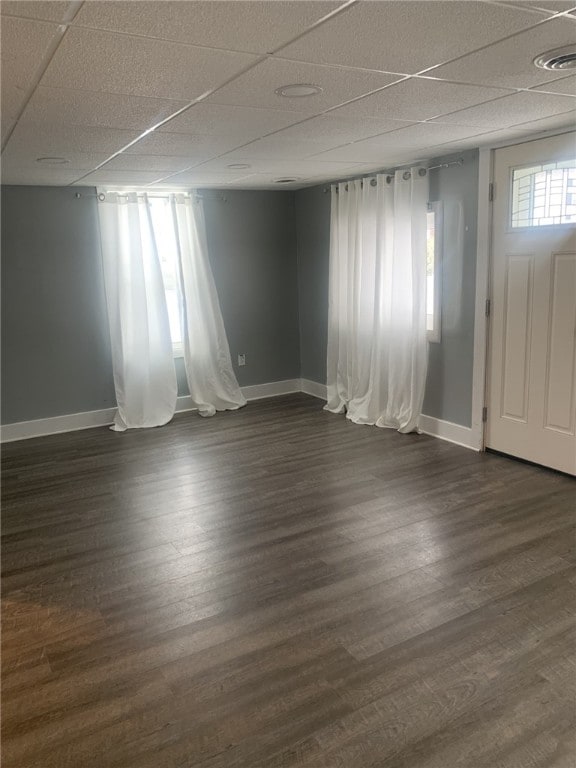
185 93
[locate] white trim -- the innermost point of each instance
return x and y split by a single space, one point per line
71 422
272 389
314 388
184 403
483 258
23 430
483 246
446 430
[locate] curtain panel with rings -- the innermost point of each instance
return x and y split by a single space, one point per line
377 344
132 232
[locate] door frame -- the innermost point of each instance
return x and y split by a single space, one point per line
483 271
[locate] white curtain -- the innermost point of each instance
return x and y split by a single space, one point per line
136 237
142 358
377 345
211 380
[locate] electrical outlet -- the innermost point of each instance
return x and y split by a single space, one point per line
242 359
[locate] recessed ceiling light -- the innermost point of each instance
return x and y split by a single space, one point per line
287 180
559 58
238 166
298 90
52 160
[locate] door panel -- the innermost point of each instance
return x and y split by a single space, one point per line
532 340
561 368
517 332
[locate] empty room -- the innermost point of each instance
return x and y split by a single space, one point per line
288 383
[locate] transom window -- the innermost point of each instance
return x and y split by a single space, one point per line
544 195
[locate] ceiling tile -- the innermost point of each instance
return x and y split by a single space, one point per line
196 178
39 177
509 63
566 85
256 87
414 137
277 148
418 99
270 181
407 36
41 140
220 120
23 45
550 6
565 121
182 144
49 10
162 163
275 169
511 110
73 107
517 133
339 130
272 165
102 61
77 161
258 27
7 124
128 178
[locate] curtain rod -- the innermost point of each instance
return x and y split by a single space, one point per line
460 161
101 196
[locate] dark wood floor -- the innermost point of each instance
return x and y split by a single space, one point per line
278 587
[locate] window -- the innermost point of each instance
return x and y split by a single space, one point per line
433 270
161 213
544 195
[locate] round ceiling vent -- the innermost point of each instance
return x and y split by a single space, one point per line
52 160
286 180
238 166
558 59
298 90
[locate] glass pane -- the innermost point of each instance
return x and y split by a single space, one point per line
430 255
168 254
543 195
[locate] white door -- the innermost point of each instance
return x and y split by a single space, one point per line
532 342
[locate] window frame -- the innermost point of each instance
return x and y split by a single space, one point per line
510 228
177 346
434 335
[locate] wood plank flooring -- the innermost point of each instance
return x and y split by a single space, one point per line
277 587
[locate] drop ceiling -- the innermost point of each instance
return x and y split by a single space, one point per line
175 93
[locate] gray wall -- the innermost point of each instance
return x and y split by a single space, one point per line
252 245
313 243
449 383
55 340
269 253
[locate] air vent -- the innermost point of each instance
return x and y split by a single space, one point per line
558 59
286 180
298 90
52 160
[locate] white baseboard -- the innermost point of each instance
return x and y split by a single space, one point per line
446 430
272 389
23 430
313 388
71 422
